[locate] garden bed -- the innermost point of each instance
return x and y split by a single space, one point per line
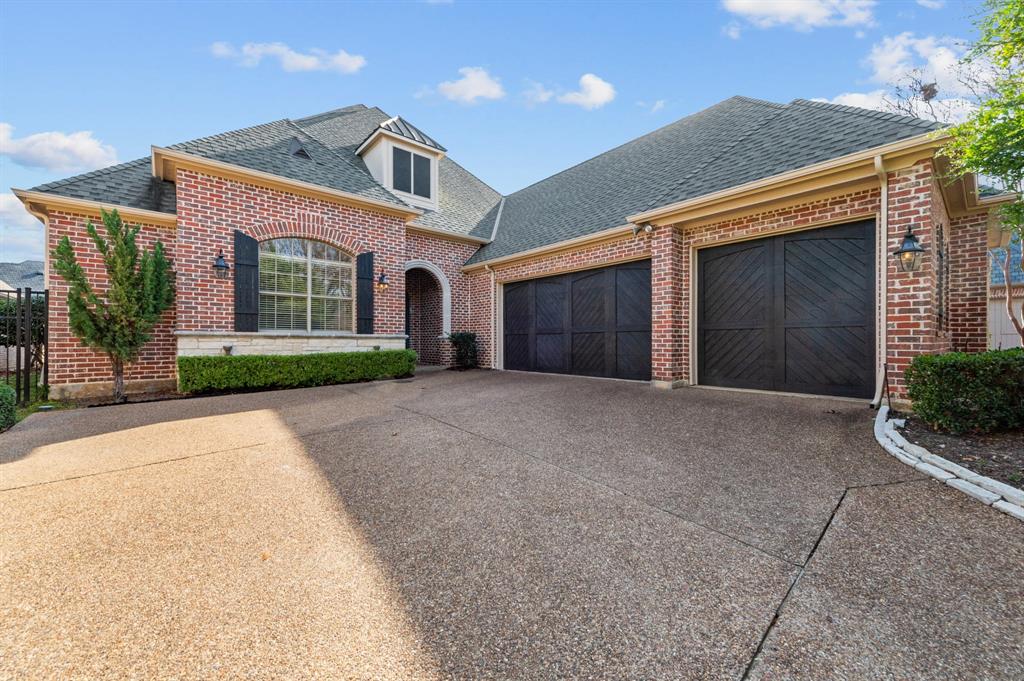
999 455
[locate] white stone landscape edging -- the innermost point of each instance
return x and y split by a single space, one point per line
1007 499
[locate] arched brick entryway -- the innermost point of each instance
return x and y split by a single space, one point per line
425 304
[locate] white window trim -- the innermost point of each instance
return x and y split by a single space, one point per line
309 289
389 175
446 292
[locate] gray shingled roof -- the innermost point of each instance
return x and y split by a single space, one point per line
465 202
127 184
267 148
27 273
731 143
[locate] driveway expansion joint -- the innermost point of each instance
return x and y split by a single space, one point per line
792 587
1000 496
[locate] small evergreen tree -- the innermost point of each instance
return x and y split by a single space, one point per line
120 320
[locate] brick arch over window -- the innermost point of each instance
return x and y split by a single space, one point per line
306 226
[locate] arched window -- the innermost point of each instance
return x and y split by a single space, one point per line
305 286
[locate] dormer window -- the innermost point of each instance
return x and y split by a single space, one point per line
410 172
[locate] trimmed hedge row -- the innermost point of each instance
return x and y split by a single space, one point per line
960 392
240 372
7 399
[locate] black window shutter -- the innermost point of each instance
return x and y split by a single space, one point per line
247 283
364 293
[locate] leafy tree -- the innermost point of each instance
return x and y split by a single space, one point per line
990 143
120 320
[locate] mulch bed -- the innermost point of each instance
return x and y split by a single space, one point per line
999 456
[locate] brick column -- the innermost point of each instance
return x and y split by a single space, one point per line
911 319
670 280
968 283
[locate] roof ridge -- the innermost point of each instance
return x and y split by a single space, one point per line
643 136
868 113
92 173
334 112
220 135
663 197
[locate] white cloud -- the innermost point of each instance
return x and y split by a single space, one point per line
930 59
475 84
536 93
732 30
21 234
803 15
932 4
593 93
56 150
251 54
652 107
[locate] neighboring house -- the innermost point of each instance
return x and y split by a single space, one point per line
24 274
1001 331
748 245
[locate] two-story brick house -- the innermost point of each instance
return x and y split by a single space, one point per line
749 245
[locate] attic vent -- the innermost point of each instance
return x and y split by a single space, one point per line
295 148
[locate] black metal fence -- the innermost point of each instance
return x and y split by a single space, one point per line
24 331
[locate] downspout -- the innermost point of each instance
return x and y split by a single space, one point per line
494 321
883 264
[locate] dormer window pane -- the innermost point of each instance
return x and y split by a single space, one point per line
402 170
421 176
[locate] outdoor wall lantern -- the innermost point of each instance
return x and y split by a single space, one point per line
221 266
382 280
908 255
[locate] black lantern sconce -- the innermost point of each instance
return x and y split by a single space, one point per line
382 281
908 255
221 266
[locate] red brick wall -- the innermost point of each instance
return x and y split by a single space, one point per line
968 282
72 362
913 325
211 208
670 281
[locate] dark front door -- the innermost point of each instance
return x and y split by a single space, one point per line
793 312
594 323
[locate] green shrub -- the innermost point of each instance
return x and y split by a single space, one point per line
243 372
961 392
7 398
465 349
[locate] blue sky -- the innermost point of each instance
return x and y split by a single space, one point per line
515 91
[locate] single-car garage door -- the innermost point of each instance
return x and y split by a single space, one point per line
793 312
594 323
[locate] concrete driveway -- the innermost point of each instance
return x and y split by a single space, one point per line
493 525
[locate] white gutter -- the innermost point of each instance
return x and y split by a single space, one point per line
882 312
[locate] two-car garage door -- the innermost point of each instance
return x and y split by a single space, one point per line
793 312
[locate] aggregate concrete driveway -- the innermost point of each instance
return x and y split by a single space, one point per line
493 525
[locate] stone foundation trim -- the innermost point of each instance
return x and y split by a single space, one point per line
1001 496
101 389
198 343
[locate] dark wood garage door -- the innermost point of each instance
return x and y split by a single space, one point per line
594 323
793 312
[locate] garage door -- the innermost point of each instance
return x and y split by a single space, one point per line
594 323
793 312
